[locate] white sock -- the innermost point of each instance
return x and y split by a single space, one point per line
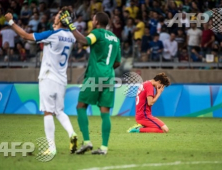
50 131
65 122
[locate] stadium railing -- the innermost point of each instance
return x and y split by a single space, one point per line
36 64
176 65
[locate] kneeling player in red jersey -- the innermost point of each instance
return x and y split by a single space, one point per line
144 100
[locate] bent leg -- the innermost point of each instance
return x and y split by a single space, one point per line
165 128
60 115
150 130
152 125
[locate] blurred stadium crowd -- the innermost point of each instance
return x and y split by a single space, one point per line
139 24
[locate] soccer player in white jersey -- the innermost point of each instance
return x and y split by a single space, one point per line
58 45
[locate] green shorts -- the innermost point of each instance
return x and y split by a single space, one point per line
102 97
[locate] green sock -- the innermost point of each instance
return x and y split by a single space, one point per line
83 123
106 127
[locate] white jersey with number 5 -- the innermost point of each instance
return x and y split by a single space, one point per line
57 48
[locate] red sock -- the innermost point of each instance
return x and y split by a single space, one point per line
151 130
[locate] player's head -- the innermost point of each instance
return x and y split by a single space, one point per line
100 20
57 23
161 79
156 37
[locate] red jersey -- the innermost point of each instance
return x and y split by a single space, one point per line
206 37
142 108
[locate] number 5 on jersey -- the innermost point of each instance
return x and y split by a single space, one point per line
65 54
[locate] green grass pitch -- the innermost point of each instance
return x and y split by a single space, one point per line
192 143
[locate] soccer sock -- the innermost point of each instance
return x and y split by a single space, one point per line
86 142
104 148
50 131
150 130
106 127
83 123
65 122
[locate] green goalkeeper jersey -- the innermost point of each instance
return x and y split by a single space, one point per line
104 52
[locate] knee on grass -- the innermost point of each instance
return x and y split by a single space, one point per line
165 128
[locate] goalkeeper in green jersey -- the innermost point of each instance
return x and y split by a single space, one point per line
97 89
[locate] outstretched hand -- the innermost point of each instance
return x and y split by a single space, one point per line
66 20
8 17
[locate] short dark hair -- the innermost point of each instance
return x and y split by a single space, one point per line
78 15
162 77
155 11
36 13
161 19
102 19
127 11
130 18
156 35
164 28
66 8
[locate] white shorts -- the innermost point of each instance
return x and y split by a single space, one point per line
52 96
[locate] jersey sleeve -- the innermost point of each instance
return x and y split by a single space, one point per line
92 37
149 90
44 37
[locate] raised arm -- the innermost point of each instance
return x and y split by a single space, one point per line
18 29
79 37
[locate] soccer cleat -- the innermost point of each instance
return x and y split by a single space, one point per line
99 152
134 128
49 152
73 144
85 148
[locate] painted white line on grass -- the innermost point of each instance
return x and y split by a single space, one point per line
153 164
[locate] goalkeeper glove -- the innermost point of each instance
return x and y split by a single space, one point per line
66 20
